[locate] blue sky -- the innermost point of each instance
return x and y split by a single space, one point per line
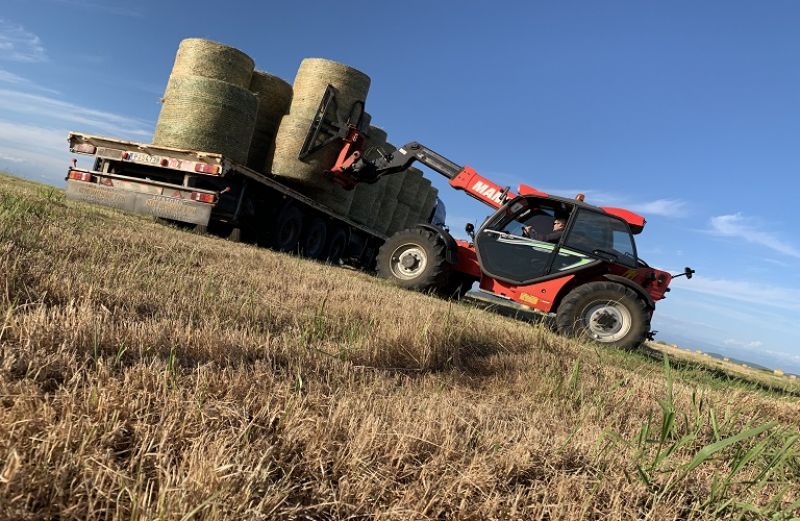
687 112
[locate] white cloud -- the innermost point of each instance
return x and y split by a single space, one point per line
660 207
754 293
740 227
50 109
17 80
37 151
751 344
20 45
13 159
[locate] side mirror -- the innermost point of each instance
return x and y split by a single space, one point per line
470 229
687 272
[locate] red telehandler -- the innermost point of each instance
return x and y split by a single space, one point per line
589 275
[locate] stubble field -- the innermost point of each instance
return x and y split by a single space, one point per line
152 373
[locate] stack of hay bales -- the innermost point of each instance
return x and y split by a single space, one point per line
207 104
312 78
417 214
274 96
411 181
428 204
365 196
384 209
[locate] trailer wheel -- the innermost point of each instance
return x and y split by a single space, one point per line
337 245
606 312
315 239
288 229
414 259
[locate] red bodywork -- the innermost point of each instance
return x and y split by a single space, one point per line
546 295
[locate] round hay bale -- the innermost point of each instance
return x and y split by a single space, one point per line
333 196
411 186
415 212
315 74
201 57
383 216
427 206
274 97
367 194
399 219
208 115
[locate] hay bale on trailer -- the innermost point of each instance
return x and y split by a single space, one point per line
210 59
365 195
427 206
313 77
315 74
415 214
399 218
412 184
206 114
274 97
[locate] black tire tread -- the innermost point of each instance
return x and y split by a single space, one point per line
570 308
435 277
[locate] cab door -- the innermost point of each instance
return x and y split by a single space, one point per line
508 253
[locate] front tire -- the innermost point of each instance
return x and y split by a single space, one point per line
414 259
606 312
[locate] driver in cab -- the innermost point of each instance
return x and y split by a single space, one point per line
553 236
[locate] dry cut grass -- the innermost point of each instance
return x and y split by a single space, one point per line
150 373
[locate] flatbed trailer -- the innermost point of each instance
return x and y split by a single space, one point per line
209 192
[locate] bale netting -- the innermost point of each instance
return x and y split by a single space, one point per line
366 195
274 96
399 219
315 74
207 115
201 57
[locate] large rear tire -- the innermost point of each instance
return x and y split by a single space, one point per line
414 259
605 312
315 240
288 229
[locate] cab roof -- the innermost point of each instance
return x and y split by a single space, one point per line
635 221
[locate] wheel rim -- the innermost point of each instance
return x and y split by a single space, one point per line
408 261
607 321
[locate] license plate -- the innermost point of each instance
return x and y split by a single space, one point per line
139 157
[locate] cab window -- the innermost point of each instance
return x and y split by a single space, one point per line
596 232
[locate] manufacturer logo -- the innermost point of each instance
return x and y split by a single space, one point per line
488 192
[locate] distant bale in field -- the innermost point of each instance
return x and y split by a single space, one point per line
209 115
210 59
313 76
363 207
778 372
274 97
